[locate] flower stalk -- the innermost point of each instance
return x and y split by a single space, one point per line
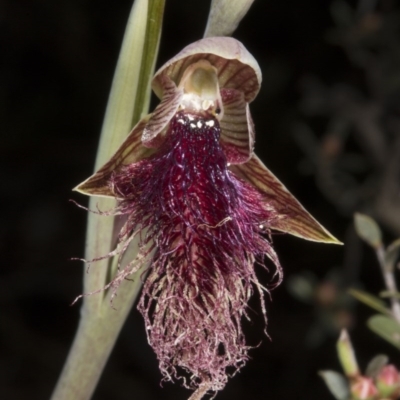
390 281
369 231
225 16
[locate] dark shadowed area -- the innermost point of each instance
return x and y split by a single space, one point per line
327 124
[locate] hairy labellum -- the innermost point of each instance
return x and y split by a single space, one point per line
208 228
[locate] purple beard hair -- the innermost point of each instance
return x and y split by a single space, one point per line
203 229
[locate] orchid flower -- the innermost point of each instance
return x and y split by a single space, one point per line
202 208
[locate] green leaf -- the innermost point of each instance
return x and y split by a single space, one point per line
337 384
346 355
370 300
129 90
368 230
375 365
392 254
125 85
387 328
100 323
150 51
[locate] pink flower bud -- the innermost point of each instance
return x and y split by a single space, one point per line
388 381
363 388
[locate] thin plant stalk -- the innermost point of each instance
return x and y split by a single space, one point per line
390 282
225 16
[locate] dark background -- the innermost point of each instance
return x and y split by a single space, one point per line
327 123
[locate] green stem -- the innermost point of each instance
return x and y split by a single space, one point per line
92 346
390 282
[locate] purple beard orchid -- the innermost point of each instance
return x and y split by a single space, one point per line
202 207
